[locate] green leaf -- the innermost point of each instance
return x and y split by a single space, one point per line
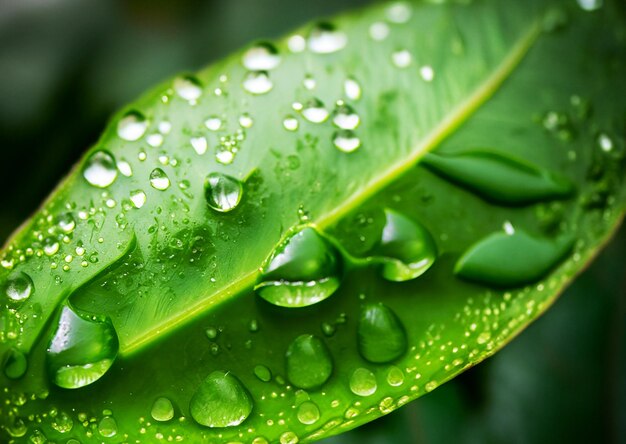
294 168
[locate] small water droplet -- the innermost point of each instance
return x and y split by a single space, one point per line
225 157
188 88
245 121
303 270
15 363
289 438
345 117
605 143
211 332
155 140
352 89
132 126
220 401
67 223
261 57
402 58
346 141
395 377
213 123
309 364
427 73
263 373
223 193
363 382
379 31
107 427
399 12
325 38
162 410
100 169
62 423
590 5
19 287
82 349
381 336
199 144
308 413
257 82
125 168
51 246
138 198
314 111
296 43
159 180
291 123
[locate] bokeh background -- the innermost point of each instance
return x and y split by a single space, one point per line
67 65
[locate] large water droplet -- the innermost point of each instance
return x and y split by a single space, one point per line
19 286
107 427
220 401
223 193
346 141
14 363
261 57
511 259
159 180
406 248
381 335
308 413
345 117
309 364
363 382
325 38
82 349
305 269
314 111
500 178
162 410
258 82
100 169
188 88
132 126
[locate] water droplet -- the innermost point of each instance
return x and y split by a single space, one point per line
67 223
352 89
291 123
15 363
213 123
363 382
427 73
605 143
51 246
314 111
222 192
308 413
345 117
258 82
303 270
19 287
263 373
100 169
406 248
261 57
82 349
590 5
125 168
309 364
395 377
402 58
188 88
220 401
346 141
138 198
508 260
162 410
159 180
379 31
381 336
500 178
309 82
289 438
132 126
199 144
325 38
399 12
225 157
107 427
211 332
296 43
62 423
155 140
245 121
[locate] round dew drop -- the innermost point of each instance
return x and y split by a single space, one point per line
308 413
261 57
309 364
326 39
107 427
314 111
291 123
363 382
223 193
159 180
401 59
345 117
132 126
346 141
100 169
220 401
380 334
19 287
162 410
257 82
188 88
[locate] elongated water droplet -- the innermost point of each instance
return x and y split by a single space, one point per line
309 364
223 193
159 180
406 248
427 73
508 260
132 126
308 413
199 144
100 169
352 89
82 349
363 382
379 31
325 38
188 88
263 373
346 141
19 287
261 57
15 363
258 82
381 335
303 270
500 178
125 168
138 198
220 401
345 117
162 410
314 111
590 5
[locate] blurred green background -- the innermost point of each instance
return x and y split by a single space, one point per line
67 65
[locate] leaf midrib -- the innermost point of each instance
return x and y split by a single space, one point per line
449 124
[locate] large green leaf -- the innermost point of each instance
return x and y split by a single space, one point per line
382 278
